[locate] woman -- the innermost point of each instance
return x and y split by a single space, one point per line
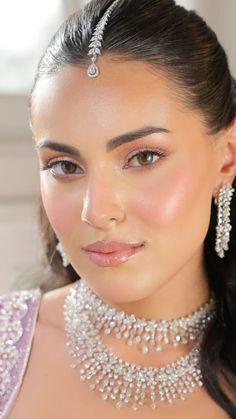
133 115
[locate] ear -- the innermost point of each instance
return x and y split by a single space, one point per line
226 170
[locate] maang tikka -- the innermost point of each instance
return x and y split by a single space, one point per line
223 227
96 40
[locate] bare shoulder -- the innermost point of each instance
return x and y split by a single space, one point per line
51 308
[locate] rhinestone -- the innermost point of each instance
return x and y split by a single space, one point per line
146 337
16 321
123 382
119 404
93 70
144 349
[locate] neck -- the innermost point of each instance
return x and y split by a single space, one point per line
181 336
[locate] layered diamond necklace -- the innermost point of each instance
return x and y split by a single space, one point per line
122 382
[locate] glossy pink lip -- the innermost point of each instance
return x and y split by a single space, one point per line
109 246
111 253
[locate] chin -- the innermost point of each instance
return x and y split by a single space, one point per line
115 289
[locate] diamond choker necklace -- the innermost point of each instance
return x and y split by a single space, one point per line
123 382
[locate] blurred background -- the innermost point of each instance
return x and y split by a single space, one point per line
26 26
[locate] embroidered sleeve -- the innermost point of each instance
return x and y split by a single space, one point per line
18 314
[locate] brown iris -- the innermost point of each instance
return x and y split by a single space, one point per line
146 157
68 167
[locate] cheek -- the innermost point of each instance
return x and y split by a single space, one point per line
179 195
61 208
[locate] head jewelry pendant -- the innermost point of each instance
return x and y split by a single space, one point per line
96 41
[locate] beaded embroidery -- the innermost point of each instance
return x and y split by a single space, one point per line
18 313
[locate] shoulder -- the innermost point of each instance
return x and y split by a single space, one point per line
16 307
51 308
18 313
14 299
47 332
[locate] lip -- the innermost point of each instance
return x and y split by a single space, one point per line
104 246
111 253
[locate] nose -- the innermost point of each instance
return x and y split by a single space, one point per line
102 203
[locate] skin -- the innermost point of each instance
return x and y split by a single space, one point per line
166 205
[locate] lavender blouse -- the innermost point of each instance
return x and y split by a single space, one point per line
18 315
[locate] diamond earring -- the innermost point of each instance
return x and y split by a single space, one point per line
60 249
223 227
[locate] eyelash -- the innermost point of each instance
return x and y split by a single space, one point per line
60 160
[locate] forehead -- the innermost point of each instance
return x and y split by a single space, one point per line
125 92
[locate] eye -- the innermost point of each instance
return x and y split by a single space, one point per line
62 167
145 157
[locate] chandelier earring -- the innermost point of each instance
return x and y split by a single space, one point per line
223 226
61 251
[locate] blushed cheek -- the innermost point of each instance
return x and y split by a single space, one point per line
62 209
172 200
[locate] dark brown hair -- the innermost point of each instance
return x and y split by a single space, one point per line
179 42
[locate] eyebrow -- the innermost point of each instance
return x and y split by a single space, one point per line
111 144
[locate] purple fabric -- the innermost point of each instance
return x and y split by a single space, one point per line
18 315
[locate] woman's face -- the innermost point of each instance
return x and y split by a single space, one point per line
154 190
